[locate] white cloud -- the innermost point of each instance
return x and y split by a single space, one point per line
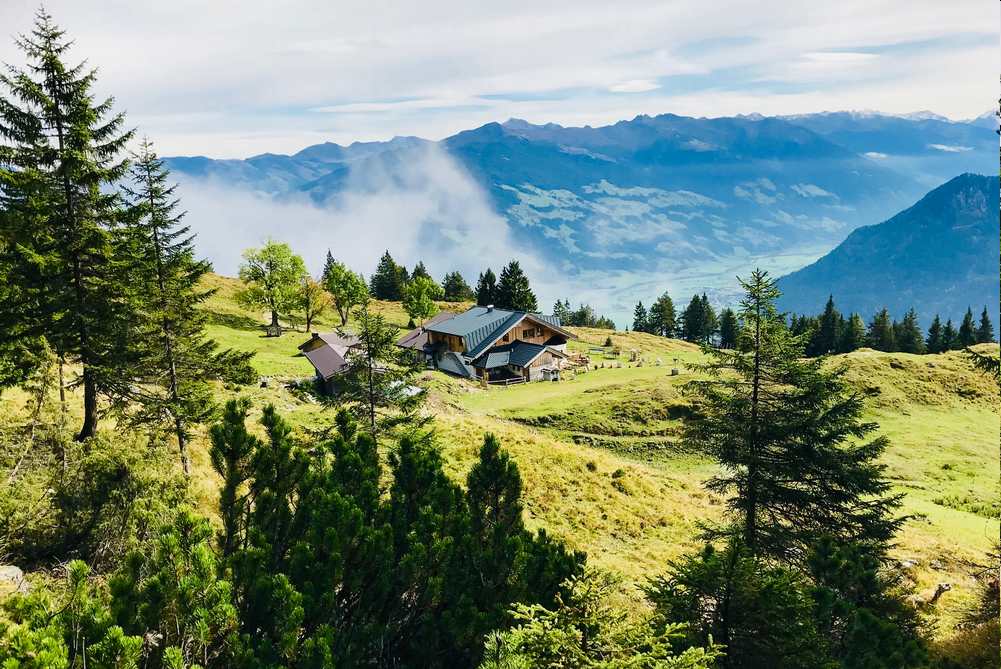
635 86
950 148
876 155
812 190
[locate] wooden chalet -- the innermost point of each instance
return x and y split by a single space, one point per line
328 353
496 345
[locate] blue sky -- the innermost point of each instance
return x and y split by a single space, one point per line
232 79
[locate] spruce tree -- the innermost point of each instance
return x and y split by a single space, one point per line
935 341
787 432
640 322
967 330
388 279
456 289
880 335
828 331
63 155
693 321
950 338
985 332
663 320
711 320
908 335
852 334
486 289
729 329
562 312
420 270
172 361
514 291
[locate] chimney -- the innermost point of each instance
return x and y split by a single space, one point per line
490 308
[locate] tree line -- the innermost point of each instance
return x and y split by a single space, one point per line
831 332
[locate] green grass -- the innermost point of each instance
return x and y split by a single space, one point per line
569 438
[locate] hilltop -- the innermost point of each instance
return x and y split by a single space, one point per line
603 466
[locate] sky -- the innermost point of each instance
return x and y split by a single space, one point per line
232 79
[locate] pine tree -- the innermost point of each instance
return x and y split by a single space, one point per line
880 335
852 334
171 358
456 289
711 320
908 335
935 342
784 429
486 289
693 321
420 270
729 329
663 320
514 291
64 154
562 312
388 279
985 332
967 330
640 322
950 338
828 333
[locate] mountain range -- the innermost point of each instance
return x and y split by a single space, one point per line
654 202
939 256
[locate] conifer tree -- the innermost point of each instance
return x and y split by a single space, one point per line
729 329
985 332
562 312
663 320
693 321
486 289
63 153
852 334
967 330
640 322
880 335
456 289
711 319
172 359
908 335
785 431
950 338
828 331
388 279
935 341
514 291
420 270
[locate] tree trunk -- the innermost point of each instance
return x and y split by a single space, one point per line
89 428
274 318
182 445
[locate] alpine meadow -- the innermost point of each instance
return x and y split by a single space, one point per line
705 376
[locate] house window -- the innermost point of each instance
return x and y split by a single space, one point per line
527 334
505 337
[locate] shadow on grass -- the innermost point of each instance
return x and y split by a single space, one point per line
236 322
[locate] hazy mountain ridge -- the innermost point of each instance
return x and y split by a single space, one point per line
938 256
685 202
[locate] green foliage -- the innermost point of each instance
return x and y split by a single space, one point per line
388 280
935 342
171 591
663 320
967 330
513 290
641 322
456 289
760 614
583 629
985 331
313 301
583 316
880 335
787 433
273 275
699 322
852 334
379 384
419 297
729 329
907 334
171 360
328 571
486 288
346 288
61 158
71 631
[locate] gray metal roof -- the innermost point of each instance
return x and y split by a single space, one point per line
326 361
453 363
520 353
418 337
479 327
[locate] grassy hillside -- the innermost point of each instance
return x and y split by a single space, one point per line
601 458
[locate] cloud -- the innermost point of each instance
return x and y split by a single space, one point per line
635 86
812 190
876 155
950 148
